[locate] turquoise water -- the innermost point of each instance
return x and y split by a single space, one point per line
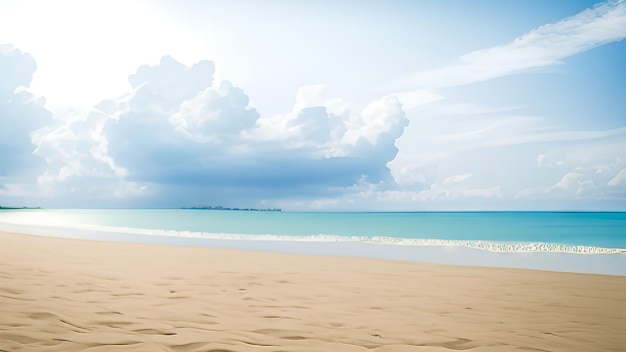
597 230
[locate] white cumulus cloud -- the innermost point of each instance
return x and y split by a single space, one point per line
21 114
179 132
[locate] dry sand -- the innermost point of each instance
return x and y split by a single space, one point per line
74 295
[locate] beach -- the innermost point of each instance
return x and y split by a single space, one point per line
59 294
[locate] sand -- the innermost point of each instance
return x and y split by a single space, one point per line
76 295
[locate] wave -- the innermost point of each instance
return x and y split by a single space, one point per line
490 246
58 221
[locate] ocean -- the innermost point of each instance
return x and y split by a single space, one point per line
446 237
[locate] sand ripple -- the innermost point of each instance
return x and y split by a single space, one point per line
69 295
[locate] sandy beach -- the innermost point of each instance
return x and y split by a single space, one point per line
77 295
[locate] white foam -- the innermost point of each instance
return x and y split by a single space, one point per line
491 246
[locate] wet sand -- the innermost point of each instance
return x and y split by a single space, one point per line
77 295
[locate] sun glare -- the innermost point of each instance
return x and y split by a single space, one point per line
86 50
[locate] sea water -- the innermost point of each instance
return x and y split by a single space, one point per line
422 236
503 231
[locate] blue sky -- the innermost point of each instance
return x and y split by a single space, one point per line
325 105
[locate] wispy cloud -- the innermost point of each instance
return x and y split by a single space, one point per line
491 136
453 133
544 46
619 179
456 178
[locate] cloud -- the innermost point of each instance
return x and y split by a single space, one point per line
540 159
619 180
509 146
77 147
500 132
21 113
543 46
573 182
456 178
179 137
328 129
417 98
499 144
180 132
442 193
469 109
173 80
526 193
215 114
16 69
381 196
582 171
599 161
76 151
313 124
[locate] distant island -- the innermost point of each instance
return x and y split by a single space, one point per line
219 207
17 208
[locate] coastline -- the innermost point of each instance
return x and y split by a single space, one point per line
61 294
612 262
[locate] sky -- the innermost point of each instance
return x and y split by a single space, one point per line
314 105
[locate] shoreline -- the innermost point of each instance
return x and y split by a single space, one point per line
436 251
61 294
